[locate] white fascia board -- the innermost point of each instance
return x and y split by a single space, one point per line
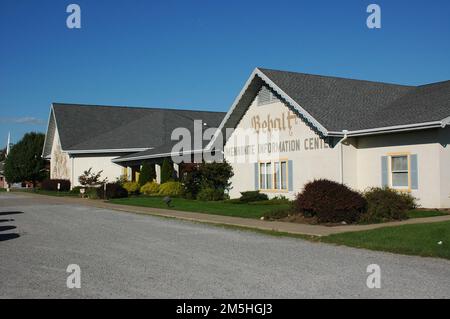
397 128
118 150
48 125
142 157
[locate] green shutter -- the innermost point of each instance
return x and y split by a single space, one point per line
256 176
290 178
414 172
384 171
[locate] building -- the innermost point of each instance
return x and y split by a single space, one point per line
283 130
80 137
363 134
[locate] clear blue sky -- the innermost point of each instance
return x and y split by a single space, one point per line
197 54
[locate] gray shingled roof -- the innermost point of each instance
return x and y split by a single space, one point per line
345 104
93 127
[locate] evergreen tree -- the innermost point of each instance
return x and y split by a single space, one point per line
167 170
148 173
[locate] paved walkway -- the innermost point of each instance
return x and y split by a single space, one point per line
285 227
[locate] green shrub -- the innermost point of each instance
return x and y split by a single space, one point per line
386 204
192 180
150 188
330 202
91 193
113 190
279 200
204 176
132 187
167 171
76 190
253 196
171 189
210 194
148 173
278 213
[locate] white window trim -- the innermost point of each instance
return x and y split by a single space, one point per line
408 171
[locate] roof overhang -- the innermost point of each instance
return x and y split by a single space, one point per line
104 151
152 156
398 128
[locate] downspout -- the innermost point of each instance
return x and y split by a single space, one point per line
342 155
73 177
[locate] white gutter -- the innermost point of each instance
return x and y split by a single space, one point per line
142 157
48 124
342 155
118 150
397 128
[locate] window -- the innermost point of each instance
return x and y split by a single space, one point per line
276 176
283 175
273 175
400 171
269 175
262 175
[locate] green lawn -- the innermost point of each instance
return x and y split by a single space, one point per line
417 213
419 239
216 208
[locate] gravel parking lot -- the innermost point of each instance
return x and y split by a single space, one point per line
123 255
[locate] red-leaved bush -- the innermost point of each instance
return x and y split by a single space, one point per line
330 202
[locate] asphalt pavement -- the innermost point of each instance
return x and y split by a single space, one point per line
125 255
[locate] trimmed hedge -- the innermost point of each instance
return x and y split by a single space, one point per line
52 185
252 196
330 202
386 204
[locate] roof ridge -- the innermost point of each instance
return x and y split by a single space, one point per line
337 77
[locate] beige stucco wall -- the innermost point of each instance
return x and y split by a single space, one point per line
423 143
62 166
311 160
360 158
80 164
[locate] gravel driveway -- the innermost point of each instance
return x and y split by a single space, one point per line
124 255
